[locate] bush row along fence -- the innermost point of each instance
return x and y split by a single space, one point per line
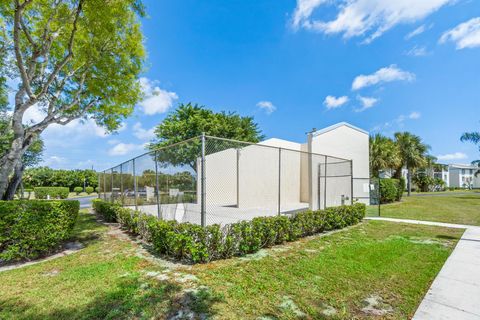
207 180
193 243
33 228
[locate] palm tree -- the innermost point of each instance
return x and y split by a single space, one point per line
384 154
475 138
413 154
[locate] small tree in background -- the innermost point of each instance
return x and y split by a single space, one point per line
473 137
189 121
384 154
413 155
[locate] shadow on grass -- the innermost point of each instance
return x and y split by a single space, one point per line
129 299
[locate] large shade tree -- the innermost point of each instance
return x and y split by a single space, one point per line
188 121
413 154
73 59
473 137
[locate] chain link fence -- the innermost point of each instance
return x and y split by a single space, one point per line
207 180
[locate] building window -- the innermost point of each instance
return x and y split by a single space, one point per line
463 171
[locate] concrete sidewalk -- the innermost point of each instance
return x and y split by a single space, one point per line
455 292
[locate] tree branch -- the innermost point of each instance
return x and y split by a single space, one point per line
69 55
16 43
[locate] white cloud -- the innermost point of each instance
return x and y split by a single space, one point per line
332 102
267 106
121 149
465 35
367 103
143 134
452 156
386 74
366 18
414 115
155 100
398 122
417 51
418 31
54 160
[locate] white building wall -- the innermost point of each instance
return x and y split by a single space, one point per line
347 142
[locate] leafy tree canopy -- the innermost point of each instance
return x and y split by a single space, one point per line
73 59
191 120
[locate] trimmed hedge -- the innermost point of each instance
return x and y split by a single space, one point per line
89 190
32 228
54 192
107 210
78 190
192 243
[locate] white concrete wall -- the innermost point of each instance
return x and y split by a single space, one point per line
258 175
348 143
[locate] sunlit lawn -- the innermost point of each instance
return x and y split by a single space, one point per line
332 275
452 208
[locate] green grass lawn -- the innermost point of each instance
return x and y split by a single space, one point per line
461 208
335 276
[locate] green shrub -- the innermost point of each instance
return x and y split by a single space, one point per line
32 228
89 190
107 210
78 190
192 243
389 190
53 192
97 189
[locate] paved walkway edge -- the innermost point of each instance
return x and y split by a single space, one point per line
455 292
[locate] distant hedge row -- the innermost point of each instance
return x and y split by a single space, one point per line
193 243
32 228
53 192
391 190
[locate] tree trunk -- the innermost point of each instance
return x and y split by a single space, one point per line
17 148
14 182
8 165
409 182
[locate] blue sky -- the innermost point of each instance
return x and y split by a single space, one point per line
384 66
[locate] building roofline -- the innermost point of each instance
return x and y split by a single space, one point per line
338 125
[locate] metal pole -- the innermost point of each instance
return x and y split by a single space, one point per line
351 187
157 187
111 189
99 183
379 195
121 186
104 185
279 179
238 178
202 185
325 189
310 171
134 184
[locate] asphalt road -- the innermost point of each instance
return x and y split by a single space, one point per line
85 202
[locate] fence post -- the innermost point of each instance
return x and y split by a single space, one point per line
379 194
156 186
121 185
238 177
279 179
111 189
310 171
134 183
351 187
325 189
104 185
202 185
99 184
